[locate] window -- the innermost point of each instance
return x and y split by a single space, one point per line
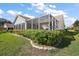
23 25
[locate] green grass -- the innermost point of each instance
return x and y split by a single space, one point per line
71 50
12 45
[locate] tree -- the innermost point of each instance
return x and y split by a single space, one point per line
76 25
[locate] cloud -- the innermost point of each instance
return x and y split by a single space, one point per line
55 12
69 21
30 16
39 6
13 13
1 11
29 8
52 6
45 9
20 12
37 11
65 16
0 16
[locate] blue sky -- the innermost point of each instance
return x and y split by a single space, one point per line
69 10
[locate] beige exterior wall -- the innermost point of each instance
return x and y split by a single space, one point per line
20 20
60 20
19 23
5 26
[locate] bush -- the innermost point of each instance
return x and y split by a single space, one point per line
45 37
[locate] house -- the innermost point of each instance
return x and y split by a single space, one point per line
48 22
5 24
8 26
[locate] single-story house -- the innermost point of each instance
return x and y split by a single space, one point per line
8 25
48 22
5 24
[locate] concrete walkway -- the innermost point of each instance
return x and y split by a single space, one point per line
35 46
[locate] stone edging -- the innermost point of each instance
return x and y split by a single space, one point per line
35 46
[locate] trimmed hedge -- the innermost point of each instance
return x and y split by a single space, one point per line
46 37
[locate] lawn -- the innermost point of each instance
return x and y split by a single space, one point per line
12 45
71 50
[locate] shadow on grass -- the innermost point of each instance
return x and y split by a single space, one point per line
64 43
65 40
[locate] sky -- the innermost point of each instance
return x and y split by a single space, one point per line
70 11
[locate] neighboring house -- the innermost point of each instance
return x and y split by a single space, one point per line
8 25
5 24
48 22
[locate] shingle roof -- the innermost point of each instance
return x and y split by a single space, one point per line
9 25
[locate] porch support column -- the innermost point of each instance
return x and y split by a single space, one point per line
21 26
25 25
52 24
38 23
32 24
49 20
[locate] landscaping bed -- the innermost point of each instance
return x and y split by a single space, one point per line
56 38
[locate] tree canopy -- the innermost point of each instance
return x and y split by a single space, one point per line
76 23
2 20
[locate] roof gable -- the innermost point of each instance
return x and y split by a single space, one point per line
26 18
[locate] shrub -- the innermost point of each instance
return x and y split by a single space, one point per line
45 37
